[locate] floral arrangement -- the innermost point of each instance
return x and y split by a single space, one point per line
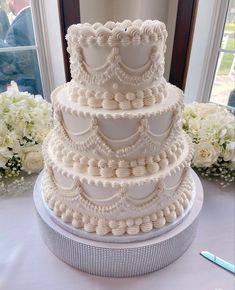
25 121
211 128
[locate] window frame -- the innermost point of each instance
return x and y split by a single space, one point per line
212 52
40 48
184 29
41 40
68 16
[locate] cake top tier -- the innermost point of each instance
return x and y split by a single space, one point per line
117 57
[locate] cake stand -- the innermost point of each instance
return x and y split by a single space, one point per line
115 259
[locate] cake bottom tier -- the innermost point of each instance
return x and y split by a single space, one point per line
173 207
115 259
126 210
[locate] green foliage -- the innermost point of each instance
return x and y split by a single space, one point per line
230 26
227 60
226 64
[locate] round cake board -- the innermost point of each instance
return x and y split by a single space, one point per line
118 260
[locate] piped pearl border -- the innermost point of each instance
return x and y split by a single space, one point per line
170 103
114 101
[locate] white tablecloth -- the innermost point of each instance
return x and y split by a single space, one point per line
27 264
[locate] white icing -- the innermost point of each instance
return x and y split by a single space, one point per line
94 141
132 55
176 205
100 99
117 160
81 164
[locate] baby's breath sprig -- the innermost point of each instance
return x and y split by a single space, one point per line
219 172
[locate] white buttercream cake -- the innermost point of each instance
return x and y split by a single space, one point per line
117 161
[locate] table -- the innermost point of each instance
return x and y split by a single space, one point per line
26 263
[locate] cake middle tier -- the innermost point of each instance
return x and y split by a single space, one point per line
58 156
96 135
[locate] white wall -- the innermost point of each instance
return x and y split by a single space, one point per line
118 10
92 11
143 9
170 26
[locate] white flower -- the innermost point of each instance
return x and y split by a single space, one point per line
212 124
5 155
31 148
195 124
4 151
205 154
3 161
25 120
3 132
205 109
32 161
229 152
223 133
41 134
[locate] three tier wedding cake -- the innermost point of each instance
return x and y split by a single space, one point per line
117 162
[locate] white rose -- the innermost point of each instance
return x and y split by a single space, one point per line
194 124
32 161
205 154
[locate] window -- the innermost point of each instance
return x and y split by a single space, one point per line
19 63
222 91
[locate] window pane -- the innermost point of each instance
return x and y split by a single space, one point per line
18 54
229 29
223 86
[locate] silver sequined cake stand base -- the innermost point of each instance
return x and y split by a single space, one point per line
118 259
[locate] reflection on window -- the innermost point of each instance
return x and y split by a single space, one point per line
223 91
18 53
